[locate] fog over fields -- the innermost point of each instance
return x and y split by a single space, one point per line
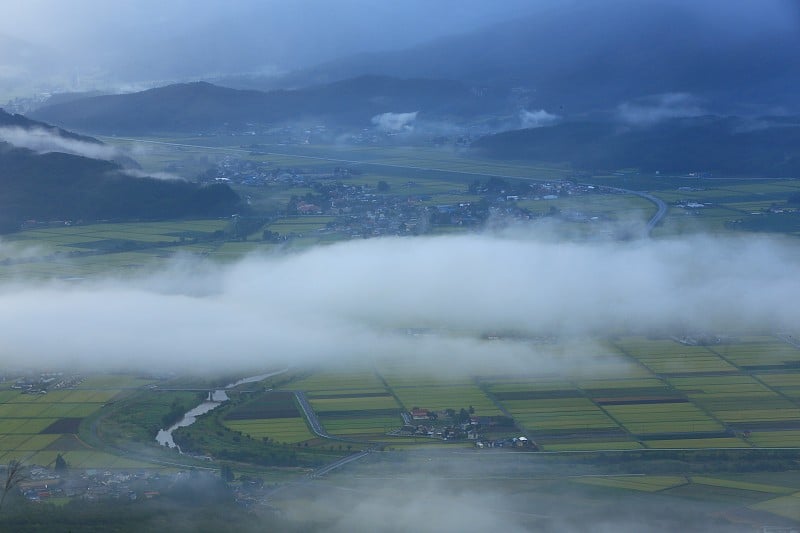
352 302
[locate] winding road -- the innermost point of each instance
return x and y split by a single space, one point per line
661 206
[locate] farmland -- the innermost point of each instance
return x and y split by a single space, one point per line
35 428
662 395
636 396
667 400
697 204
423 179
645 406
271 416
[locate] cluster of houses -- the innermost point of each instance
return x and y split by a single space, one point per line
41 383
450 425
42 484
444 425
513 442
369 210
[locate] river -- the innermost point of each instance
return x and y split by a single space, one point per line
214 400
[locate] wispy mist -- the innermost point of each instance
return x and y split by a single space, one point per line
463 490
350 303
157 175
43 140
657 108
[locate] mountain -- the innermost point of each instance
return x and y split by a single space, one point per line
584 56
65 186
768 147
190 107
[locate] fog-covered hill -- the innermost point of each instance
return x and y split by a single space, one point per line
53 181
730 145
203 106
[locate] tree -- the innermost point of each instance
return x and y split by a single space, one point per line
383 186
14 476
61 463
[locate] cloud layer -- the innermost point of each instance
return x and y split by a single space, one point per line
351 302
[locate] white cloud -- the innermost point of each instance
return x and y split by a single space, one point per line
349 302
537 119
395 122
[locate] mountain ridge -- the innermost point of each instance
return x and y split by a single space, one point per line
202 105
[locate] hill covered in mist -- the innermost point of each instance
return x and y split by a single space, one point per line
730 145
197 106
51 174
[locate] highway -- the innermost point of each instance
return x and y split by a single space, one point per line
310 415
661 206
341 462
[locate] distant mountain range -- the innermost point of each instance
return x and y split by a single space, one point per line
202 106
670 86
63 186
589 55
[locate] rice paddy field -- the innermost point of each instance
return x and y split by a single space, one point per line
35 428
669 396
779 496
662 395
79 251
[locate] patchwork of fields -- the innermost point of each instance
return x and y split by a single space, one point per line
35 428
661 395
741 394
780 497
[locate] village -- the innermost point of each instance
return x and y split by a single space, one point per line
452 425
403 207
41 382
42 485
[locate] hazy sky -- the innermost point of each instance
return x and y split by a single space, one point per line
287 33
386 22
103 42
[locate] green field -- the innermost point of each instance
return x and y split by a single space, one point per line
289 430
35 428
663 395
637 483
79 251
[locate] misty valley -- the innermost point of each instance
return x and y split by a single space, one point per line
282 266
